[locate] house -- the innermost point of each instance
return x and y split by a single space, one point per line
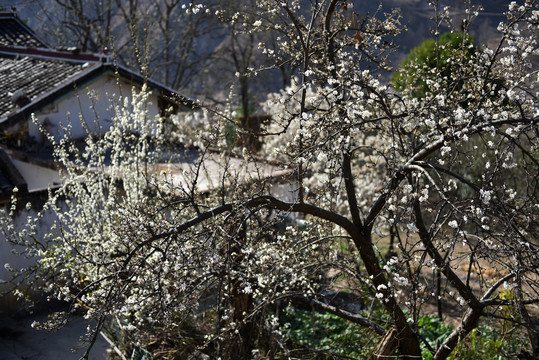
55 88
60 88
53 84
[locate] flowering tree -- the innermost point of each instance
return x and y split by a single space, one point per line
138 242
387 158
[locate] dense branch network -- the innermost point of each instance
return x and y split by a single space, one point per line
446 174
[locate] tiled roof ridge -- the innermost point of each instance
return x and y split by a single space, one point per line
51 54
13 15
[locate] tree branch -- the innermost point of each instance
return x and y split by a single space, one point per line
464 291
267 202
350 190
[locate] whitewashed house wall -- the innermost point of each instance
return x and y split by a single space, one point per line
92 105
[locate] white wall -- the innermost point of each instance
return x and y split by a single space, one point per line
92 106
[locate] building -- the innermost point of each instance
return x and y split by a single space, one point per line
60 88
55 89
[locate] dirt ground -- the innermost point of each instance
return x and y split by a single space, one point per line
488 275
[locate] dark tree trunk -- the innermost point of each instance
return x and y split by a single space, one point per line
407 340
386 347
241 344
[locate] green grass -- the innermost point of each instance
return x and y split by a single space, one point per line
328 332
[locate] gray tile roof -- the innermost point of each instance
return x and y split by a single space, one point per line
13 32
32 77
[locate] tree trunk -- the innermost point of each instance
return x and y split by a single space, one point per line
407 340
388 344
239 345
438 275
